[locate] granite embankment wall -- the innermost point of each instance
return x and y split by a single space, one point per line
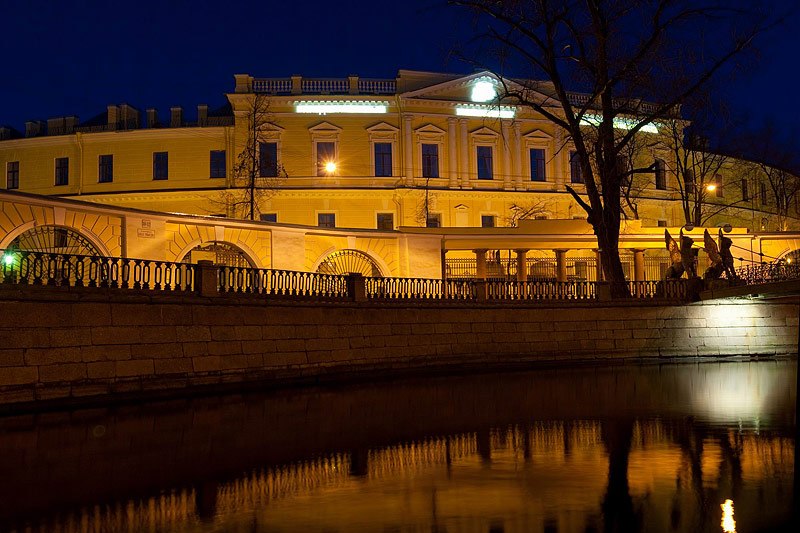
67 344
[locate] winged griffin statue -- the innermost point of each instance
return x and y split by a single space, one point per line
681 256
720 256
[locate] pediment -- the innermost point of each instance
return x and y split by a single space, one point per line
484 132
538 135
429 129
461 207
325 127
383 127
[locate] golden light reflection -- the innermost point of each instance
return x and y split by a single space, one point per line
330 167
728 523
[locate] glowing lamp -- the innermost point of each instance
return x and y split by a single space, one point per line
728 523
711 187
8 259
330 167
483 90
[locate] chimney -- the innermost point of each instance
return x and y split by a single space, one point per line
175 117
55 126
128 117
152 118
5 133
202 115
113 117
70 123
34 128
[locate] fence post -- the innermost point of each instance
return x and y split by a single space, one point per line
356 287
481 290
206 278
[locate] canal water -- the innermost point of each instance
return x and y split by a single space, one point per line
690 447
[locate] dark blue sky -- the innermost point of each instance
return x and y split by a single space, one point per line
67 57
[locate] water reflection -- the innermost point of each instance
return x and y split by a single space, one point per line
623 449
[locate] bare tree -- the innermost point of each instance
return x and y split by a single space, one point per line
617 52
257 172
525 211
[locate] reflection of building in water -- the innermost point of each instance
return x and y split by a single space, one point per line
544 474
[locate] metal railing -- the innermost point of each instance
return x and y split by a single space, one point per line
769 272
69 270
288 283
419 289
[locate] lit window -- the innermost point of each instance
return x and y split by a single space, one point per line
269 217
12 175
430 160
326 155
62 170
537 165
217 161
575 170
383 159
105 171
434 220
326 220
487 221
160 165
385 221
268 160
484 162
661 174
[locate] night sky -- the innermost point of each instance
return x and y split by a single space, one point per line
66 58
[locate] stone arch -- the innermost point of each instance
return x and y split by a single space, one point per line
349 260
221 252
54 238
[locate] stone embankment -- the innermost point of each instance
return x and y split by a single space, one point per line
67 345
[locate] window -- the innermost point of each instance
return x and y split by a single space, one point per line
385 221
624 168
575 170
160 165
268 160
537 165
217 159
383 159
105 171
326 220
764 197
488 221
745 192
430 160
718 186
661 223
326 153
688 182
12 175
62 170
484 162
433 220
661 175
269 217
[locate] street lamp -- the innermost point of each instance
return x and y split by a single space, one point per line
330 167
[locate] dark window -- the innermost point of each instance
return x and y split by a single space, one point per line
575 170
718 186
268 160
745 192
326 153
160 165
662 223
661 175
484 162
269 217
430 160
326 220
105 172
62 170
624 169
688 182
385 221
12 175
487 221
434 220
217 160
537 165
383 159
764 197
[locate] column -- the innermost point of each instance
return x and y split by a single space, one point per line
597 255
561 265
463 168
516 157
638 265
452 152
522 265
480 264
507 171
408 151
558 159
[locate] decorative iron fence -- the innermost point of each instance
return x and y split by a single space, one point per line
419 289
768 272
69 270
287 283
541 290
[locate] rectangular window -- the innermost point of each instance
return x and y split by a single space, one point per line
484 162
764 197
383 159
217 164
661 223
326 154
745 192
326 220
487 221
268 160
160 165
718 186
537 165
62 170
385 221
105 171
575 170
430 160
434 220
688 182
12 175
624 169
269 217
661 175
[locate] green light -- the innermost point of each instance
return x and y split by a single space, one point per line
8 259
